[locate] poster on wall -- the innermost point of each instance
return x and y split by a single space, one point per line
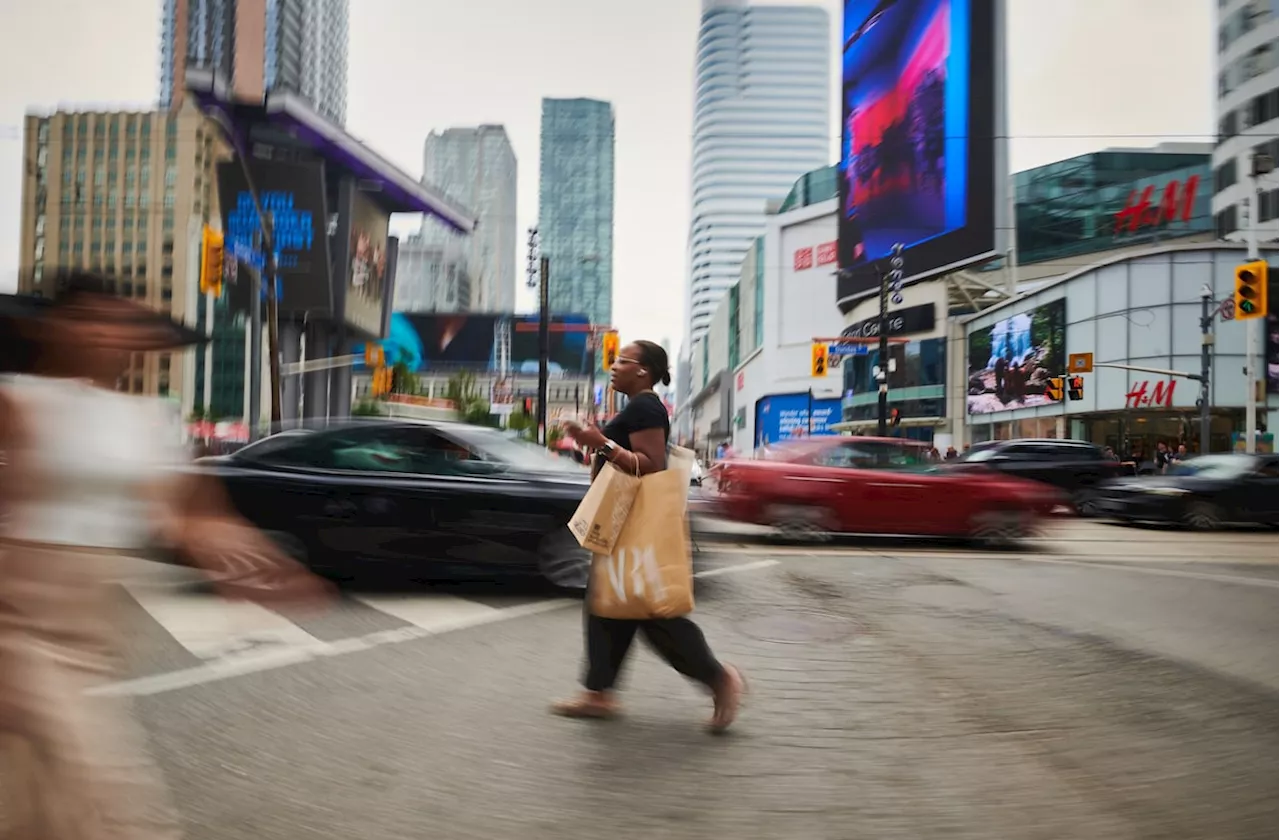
783 417
368 271
1012 361
919 140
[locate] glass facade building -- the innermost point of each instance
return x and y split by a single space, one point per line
1071 207
258 46
575 206
762 118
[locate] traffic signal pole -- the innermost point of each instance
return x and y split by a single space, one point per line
544 346
1251 334
1206 349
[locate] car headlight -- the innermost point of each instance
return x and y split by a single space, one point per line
1167 491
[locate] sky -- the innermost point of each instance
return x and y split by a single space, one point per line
1084 75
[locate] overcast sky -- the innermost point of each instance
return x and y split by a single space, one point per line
1085 74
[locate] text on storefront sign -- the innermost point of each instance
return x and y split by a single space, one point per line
1176 203
1144 395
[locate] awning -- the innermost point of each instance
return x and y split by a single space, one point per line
286 119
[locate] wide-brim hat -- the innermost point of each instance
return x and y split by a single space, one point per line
22 316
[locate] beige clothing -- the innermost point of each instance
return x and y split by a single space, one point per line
74 767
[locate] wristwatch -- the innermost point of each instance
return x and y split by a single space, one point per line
607 449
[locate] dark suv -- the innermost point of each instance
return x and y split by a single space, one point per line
1073 466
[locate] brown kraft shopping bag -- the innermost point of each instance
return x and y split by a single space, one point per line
602 512
649 573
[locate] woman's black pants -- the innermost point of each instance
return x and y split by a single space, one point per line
677 640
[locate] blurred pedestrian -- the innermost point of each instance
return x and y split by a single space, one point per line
88 478
636 441
952 454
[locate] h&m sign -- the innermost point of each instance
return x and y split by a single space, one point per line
912 319
1144 395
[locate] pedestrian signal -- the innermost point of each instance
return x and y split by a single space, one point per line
211 256
1251 290
374 356
609 346
895 417
1075 388
819 365
1054 389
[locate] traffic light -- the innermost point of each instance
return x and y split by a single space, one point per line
211 255
382 380
374 357
528 406
895 417
819 364
1251 290
1054 389
609 346
1075 388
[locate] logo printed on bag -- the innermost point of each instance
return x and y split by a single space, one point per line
644 565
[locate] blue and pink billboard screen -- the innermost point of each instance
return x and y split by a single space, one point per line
918 136
782 417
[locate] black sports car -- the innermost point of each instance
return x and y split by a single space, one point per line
435 500
1204 493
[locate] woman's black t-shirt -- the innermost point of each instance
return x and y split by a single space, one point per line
643 411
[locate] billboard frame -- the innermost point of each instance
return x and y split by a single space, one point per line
858 282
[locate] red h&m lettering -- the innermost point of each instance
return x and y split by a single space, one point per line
826 253
803 259
1159 397
1139 212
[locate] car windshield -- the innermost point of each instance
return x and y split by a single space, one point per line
1214 466
498 446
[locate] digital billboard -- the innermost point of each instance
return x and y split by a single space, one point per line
424 342
293 197
368 271
782 417
568 352
921 116
1012 361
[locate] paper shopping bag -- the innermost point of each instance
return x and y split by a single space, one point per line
599 518
649 573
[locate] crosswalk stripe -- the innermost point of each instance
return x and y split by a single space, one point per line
211 627
436 611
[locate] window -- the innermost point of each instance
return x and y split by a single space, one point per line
864 455
389 449
1225 175
1269 206
1224 223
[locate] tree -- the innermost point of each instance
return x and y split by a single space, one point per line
366 408
403 380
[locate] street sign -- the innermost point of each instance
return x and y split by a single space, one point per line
842 349
1080 363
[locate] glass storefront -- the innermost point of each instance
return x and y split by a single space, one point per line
917 377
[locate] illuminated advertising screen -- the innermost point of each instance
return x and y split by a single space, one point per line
919 146
293 197
782 417
1012 361
367 275
568 354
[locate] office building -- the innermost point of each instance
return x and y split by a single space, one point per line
762 118
124 194
476 167
259 46
575 205
1248 119
433 276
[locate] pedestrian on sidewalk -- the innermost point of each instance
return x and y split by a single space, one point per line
636 441
91 474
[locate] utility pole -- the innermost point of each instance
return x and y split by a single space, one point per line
1259 165
544 346
1206 347
890 283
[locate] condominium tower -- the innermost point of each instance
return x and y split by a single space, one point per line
762 118
259 46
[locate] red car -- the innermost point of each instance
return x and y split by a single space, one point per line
864 485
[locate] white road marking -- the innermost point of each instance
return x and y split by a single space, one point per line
1236 580
428 612
211 628
252 662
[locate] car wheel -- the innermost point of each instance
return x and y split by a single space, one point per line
1085 501
563 563
798 523
1000 529
1202 516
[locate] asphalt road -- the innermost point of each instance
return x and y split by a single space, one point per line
1106 682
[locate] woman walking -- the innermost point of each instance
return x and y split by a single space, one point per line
636 441
88 476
